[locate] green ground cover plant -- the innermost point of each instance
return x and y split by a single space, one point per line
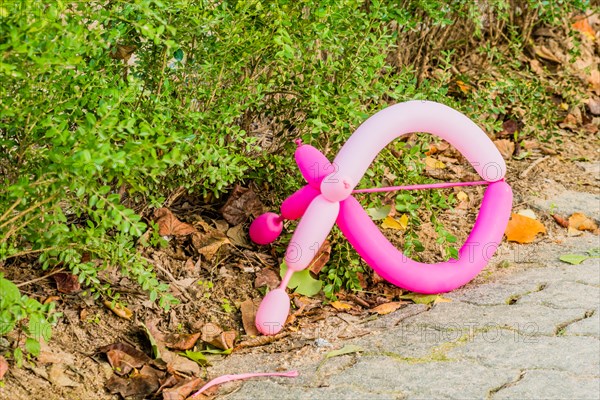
107 107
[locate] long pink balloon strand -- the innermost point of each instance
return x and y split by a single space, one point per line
420 187
229 378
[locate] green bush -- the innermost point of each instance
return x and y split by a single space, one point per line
109 106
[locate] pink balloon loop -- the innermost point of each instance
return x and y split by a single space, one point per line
327 200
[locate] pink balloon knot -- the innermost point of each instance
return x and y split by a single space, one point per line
298 142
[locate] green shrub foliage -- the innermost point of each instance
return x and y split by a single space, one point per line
105 107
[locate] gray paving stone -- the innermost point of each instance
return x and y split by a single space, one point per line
529 319
545 384
574 354
454 380
566 202
586 327
564 295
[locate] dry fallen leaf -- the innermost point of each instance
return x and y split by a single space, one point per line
168 224
249 309
57 375
583 25
432 163
321 258
561 220
387 308
122 52
3 366
50 299
462 196
396 224
239 236
339 305
140 384
543 52
505 147
183 389
182 341
123 358
66 283
509 127
582 222
464 87
118 309
242 203
267 277
522 229
209 244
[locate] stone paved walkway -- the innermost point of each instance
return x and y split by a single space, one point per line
531 333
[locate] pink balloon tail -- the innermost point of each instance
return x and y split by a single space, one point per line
286 279
420 187
236 377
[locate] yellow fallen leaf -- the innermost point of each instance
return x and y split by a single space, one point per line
119 309
338 305
396 224
387 308
440 299
462 196
432 163
464 87
522 229
582 222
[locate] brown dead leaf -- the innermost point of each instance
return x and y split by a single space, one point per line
213 334
181 341
561 220
239 236
340 305
583 26
321 258
582 222
123 357
183 389
249 309
387 308
545 53
66 283
522 229
266 277
58 377
122 52
509 127
140 384
168 224
593 104
505 147
119 309
209 244
3 367
242 203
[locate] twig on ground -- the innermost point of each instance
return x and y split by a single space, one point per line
532 166
41 278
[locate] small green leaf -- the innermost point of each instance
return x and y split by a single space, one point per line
573 259
10 292
595 252
195 356
419 298
347 349
178 55
380 213
33 347
304 284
